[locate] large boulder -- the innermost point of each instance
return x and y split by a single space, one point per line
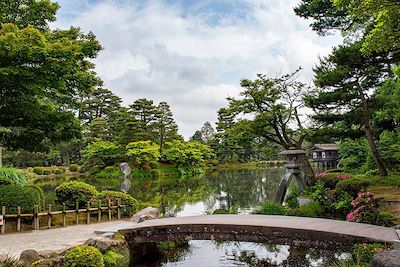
105 243
145 214
389 258
29 256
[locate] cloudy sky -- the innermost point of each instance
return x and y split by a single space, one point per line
193 53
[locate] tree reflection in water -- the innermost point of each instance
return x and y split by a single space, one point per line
240 190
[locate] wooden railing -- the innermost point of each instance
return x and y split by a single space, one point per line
49 214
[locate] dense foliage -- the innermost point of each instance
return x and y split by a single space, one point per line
130 204
83 256
17 177
74 192
27 197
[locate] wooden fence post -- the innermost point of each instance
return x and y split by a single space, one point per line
49 218
77 213
18 218
119 209
88 212
99 213
3 212
36 222
109 210
64 215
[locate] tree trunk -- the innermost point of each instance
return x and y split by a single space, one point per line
375 153
368 133
1 156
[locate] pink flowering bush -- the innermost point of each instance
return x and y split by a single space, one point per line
331 179
365 208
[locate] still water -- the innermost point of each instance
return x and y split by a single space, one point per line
238 191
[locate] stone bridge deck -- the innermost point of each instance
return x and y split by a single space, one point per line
259 228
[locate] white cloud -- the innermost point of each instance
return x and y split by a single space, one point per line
174 53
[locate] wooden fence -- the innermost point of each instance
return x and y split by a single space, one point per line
49 214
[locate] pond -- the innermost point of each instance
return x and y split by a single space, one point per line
237 191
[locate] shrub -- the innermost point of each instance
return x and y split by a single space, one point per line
26 197
353 186
114 258
213 162
74 167
385 218
74 191
319 193
83 256
17 177
47 171
291 198
312 209
130 204
155 173
366 210
39 170
154 165
271 208
220 211
343 204
364 252
110 169
330 180
4 180
59 171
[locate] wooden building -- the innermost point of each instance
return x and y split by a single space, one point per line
325 155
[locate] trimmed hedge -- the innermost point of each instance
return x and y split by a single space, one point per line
353 186
26 197
39 170
74 191
83 256
271 208
130 204
74 167
312 209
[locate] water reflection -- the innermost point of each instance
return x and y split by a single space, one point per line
208 253
239 190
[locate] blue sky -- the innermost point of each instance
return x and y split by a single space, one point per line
193 54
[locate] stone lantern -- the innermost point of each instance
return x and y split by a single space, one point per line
293 170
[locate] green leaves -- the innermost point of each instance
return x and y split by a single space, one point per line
143 152
28 12
186 153
102 152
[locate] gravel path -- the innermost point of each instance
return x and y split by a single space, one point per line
52 239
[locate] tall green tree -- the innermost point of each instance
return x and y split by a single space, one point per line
377 19
207 132
196 137
146 114
325 17
98 129
42 72
166 127
22 13
345 81
101 103
274 104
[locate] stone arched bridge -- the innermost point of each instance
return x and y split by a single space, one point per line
300 231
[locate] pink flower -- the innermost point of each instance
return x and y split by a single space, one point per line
350 217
